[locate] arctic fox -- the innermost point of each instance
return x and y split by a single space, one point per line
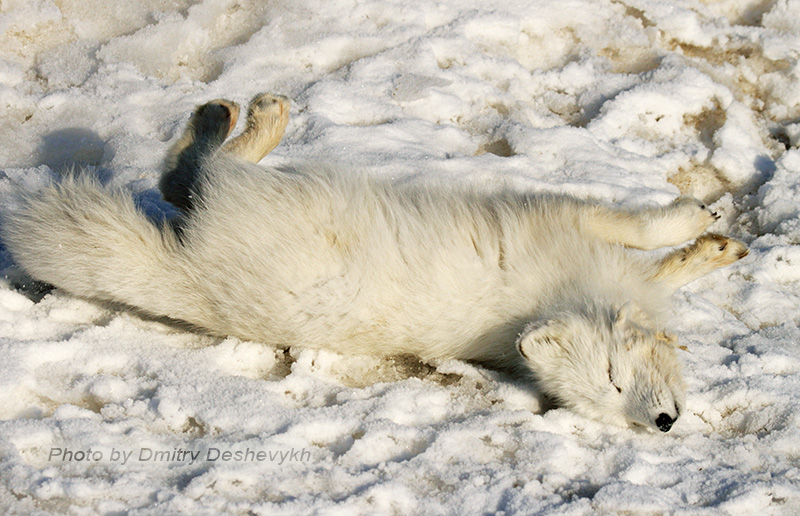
308 256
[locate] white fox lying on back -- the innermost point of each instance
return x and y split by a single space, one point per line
320 258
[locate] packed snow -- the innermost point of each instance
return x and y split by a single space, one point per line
629 101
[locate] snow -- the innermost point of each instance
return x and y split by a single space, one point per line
630 101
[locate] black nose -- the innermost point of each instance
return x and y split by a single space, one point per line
664 422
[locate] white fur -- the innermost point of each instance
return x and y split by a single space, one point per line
340 260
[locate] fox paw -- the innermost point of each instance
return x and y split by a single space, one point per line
692 215
719 249
269 110
217 118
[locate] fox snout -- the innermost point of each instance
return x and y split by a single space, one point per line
664 422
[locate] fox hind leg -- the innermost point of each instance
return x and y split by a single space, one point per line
267 118
206 131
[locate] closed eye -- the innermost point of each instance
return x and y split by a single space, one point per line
611 379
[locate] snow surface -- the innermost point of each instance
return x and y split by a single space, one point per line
630 101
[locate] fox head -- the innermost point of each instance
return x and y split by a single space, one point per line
607 365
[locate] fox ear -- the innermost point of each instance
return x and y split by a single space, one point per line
539 339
